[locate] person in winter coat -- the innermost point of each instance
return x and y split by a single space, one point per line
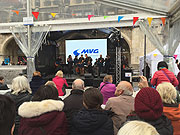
43 116
21 92
163 75
92 120
137 128
7 115
74 102
60 82
3 86
122 105
107 88
171 108
149 108
36 82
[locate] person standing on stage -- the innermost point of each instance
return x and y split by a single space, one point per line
107 64
75 69
70 64
81 58
100 64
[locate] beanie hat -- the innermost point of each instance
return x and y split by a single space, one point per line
148 104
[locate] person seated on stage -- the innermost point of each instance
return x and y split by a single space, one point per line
36 82
81 58
81 67
43 115
7 115
87 59
137 128
107 88
3 86
122 105
61 83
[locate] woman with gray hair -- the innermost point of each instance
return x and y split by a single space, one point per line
171 108
20 93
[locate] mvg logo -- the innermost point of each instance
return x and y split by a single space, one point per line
85 51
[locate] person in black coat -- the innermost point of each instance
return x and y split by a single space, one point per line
92 120
3 86
149 108
21 92
74 102
36 82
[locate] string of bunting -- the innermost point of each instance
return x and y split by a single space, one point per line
135 19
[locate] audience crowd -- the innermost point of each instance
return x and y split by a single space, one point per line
36 108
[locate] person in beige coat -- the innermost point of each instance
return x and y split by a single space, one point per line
122 105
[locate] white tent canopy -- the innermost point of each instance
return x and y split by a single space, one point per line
154 57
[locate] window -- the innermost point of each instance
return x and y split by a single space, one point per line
56 2
87 1
47 3
37 4
78 1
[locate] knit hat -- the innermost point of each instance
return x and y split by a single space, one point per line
148 104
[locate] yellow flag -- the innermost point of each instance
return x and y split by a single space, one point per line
149 20
53 14
155 55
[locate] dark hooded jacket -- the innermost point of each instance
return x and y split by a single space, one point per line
19 99
3 86
92 122
42 118
36 82
163 124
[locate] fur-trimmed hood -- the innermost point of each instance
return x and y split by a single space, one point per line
37 108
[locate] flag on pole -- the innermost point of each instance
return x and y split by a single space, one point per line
15 11
163 20
149 20
36 14
135 19
53 14
119 18
89 17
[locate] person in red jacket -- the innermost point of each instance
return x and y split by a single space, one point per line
60 82
43 116
163 75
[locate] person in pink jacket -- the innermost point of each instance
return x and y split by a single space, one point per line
60 82
107 88
163 75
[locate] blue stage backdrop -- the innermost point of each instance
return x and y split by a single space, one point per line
91 47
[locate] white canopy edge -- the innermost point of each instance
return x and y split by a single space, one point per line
131 7
78 23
